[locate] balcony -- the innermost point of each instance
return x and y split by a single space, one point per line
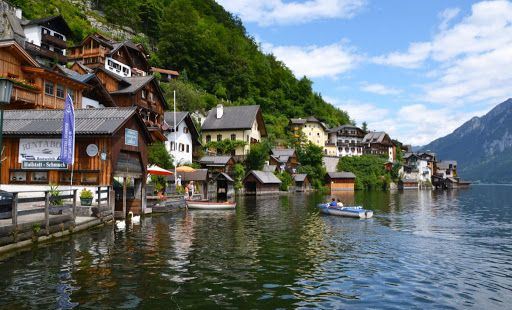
37 50
21 94
52 40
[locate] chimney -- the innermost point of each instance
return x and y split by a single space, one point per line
220 110
18 13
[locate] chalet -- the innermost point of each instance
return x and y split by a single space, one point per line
301 182
165 74
312 129
182 138
347 139
340 181
218 163
45 39
36 87
260 182
446 169
284 159
379 143
124 59
111 149
239 123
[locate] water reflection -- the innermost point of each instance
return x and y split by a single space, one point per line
422 249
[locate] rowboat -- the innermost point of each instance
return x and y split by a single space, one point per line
210 205
348 211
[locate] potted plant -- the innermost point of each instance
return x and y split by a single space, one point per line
85 197
56 202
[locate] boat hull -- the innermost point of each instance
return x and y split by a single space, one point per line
355 212
206 205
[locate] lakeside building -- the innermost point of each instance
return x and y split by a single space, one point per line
260 182
301 182
379 143
284 159
313 130
110 149
236 123
183 144
218 163
340 181
347 139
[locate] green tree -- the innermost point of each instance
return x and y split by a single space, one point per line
364 127
239 174
257 156
158 155
369 170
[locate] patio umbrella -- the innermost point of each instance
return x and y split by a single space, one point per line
185 169
155 170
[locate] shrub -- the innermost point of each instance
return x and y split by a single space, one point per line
86 194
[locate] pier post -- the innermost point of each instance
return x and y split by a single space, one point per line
47 211
15 214
108 201
99 198
74 206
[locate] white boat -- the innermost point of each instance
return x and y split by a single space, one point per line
210 205
348 211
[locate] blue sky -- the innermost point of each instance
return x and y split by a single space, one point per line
416 69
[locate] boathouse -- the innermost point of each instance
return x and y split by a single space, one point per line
260 182
200 178
218 163
408 184
111 149
302 183
340 181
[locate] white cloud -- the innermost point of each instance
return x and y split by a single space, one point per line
472 56
315 61
380 89
269 12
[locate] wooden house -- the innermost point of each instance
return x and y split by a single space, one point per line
110 149
259 182
340 181
165 74
301 182
379 143
36 87
408 184
218 163
284 159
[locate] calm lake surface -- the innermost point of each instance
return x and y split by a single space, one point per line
421 250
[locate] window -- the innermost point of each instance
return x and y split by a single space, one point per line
150 96
48 88
219 138
172 146
247 138
143 94
188 148
182 147
185 129
208 138
60 91
233 137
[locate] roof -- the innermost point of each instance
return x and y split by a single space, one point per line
375 137
51 22
264 177
218 160
136 83
335 129
198 175
310 119
341 175
83 78
445 164
169 117
235 117
165 71
105 121
15 46
15 23
283 152
223 175
300 177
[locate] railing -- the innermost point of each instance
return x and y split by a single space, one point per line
45 52
23 94
54 41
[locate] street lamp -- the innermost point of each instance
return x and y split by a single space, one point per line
5 98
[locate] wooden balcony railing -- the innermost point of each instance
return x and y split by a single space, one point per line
52 40
45 52
25 95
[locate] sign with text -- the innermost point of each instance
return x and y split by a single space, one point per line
39 149
131 137
44 165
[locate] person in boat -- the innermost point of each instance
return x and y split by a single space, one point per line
333 203
339 203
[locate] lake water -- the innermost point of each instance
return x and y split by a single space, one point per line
447 249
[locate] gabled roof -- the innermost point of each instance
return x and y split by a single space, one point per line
98 38
169 118
57 23
217 160
375 137
105 121
235 117
224 176
310 119
15 47
180 117
264 177
198 175
83 78
300 177
341 175
341 127
283 152
135 84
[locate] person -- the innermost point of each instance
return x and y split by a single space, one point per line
178 181
339 204
190 190
187 193
333 203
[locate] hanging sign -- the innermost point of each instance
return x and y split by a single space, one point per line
92 150
131 137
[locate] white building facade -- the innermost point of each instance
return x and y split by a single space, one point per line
180 144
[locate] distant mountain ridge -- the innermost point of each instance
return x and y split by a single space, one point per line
482 146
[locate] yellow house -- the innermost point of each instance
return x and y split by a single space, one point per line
313 129
240 123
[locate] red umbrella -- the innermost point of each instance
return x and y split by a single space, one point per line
155 170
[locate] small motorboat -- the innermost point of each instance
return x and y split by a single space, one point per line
348 211
210 205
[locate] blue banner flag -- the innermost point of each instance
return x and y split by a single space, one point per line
67 147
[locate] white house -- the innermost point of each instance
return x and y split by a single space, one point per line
180 144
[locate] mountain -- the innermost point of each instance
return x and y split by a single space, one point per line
208 45
482 146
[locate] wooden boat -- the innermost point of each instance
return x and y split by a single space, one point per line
210 205
348 211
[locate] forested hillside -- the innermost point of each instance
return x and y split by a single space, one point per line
218 60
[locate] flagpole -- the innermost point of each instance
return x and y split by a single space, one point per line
175 139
